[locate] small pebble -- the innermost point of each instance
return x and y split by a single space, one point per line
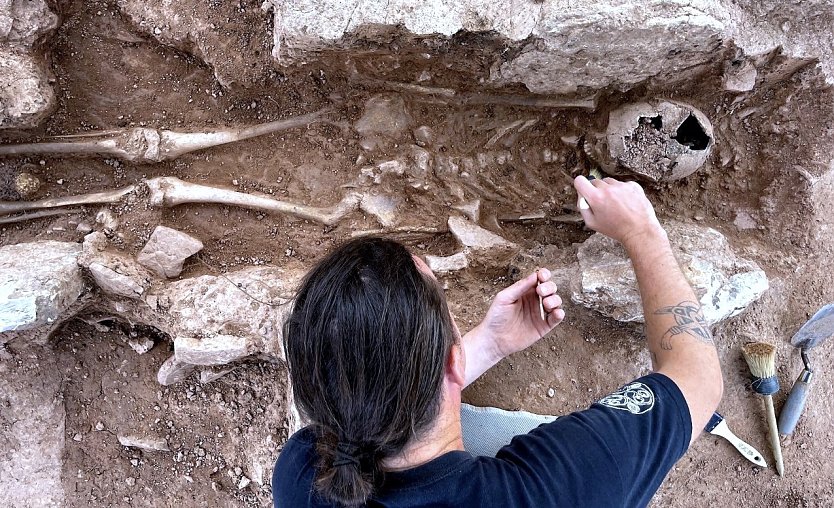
551 392
99 426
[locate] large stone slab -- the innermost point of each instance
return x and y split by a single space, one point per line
38 282
247 306
566 47
26 97
724 283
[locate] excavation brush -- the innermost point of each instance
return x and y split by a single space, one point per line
812 333
761 358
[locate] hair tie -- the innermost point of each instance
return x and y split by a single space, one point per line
346 454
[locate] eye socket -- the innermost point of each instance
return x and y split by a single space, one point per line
691 134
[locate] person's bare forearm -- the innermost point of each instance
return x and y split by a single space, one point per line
679 340
513 322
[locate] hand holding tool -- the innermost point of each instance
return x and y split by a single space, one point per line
718 427
816 330
592 175
761 358
541 298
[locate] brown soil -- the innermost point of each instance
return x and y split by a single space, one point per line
110 75
217 433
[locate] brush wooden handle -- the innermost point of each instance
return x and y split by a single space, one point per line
773 433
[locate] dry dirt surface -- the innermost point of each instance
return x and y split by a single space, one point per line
111 75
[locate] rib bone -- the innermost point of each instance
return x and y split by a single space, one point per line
142 144
170 191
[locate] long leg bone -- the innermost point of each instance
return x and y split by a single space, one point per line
170 191
142 144
37 215
96 198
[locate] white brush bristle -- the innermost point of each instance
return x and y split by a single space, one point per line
761 358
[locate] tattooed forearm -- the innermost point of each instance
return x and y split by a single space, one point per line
690 320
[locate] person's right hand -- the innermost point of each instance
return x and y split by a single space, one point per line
617 209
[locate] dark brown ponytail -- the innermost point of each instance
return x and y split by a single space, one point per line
366 346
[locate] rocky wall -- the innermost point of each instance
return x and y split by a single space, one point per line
26 94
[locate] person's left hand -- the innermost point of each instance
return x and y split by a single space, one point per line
513 322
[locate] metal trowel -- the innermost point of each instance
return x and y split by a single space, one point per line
718 427
812 333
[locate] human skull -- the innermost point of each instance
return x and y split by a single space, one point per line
659 140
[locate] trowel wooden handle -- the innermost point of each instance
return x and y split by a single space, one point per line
795 404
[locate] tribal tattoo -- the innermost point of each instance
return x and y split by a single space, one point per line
689 319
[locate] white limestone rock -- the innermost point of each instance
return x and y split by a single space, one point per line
26 98
115 273
739 76
480 244
250 304
118 275
38 282
444 264
141 345
166 251
213 349
570 47
173 371
564 45
724 283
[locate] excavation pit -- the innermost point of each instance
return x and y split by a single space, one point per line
492 116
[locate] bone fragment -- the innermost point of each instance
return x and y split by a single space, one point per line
416 231
37 215
532 101
541 216
507 128
170 191
7 207
420 89
142 144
